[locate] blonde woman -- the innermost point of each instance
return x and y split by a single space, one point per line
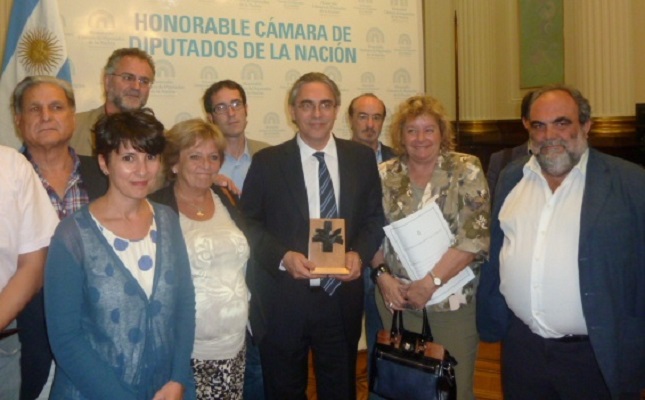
218 252
428 167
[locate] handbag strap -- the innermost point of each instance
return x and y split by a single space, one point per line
426 332
397 325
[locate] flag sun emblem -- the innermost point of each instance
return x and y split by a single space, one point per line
39 51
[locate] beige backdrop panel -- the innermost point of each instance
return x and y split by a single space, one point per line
365 46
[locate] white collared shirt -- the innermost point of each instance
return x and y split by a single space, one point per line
379 153
539 256
310 171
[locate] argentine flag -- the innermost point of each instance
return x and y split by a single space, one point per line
35 46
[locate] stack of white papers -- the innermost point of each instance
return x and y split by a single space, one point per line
420 240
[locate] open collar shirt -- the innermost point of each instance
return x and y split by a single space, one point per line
237 168
75 194
539 257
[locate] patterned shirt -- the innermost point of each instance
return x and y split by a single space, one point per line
459 183
75 194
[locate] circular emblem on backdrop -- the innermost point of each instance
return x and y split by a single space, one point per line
39 51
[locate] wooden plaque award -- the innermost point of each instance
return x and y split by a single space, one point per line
327 246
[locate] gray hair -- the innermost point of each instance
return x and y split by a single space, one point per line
31 81
584 108
313 77
118 54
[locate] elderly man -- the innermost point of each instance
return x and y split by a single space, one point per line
43 108
313 175
27 222
563 289
127 78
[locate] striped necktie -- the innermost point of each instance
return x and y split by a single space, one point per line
328 209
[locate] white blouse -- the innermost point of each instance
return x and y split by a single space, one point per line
218 252
138 256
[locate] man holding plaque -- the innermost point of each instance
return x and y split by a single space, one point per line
311 194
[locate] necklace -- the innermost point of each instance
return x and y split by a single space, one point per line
199 211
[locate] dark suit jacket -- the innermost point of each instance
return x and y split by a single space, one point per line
500 159
611 261
274 200
387 152
94 182
166 196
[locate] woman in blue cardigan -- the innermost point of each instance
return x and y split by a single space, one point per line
119 299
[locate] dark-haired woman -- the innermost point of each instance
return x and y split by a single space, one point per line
119 299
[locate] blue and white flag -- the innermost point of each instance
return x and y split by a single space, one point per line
35 46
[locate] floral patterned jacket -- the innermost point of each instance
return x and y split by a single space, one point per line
462 193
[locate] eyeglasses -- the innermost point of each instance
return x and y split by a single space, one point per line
323 106
129 78
222 108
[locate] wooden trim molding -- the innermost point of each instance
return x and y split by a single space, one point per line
613 135
613 127
478 127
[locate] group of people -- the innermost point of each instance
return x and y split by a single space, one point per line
180 269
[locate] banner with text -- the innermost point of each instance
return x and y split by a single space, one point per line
265 45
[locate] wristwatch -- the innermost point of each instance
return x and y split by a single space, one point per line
437 281
379 270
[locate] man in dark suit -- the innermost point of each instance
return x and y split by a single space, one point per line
366 116
563 288
292 311
500 159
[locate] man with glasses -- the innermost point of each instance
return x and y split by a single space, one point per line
127 78
225 106
293 311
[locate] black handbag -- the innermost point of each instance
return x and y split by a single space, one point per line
409 366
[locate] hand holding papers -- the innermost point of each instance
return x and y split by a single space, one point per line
420 240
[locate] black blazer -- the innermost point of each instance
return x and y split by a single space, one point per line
166 196
499 160
94 181
387 152
274 200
